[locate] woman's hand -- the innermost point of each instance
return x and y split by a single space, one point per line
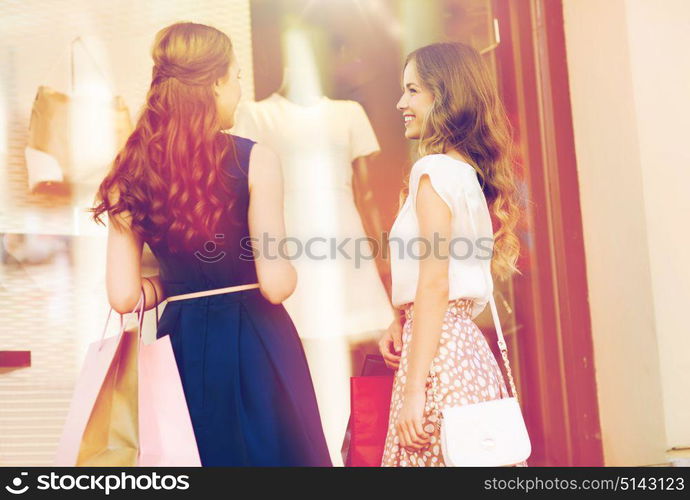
410 421
390 344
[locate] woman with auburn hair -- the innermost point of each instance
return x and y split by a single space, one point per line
201 199
451 106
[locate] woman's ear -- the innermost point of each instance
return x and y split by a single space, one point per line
219 83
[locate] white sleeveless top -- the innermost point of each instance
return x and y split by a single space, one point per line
469 268
340 295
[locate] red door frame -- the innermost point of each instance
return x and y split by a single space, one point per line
558 385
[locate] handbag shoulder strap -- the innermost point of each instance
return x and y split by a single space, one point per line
70 53
502 345
471 213
94 61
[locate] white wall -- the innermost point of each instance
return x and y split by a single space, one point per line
659 36
630 89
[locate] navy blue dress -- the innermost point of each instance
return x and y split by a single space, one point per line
243 369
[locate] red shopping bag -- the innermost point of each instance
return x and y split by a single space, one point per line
370 399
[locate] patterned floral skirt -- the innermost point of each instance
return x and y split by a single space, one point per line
466 372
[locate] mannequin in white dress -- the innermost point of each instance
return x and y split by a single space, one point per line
323 145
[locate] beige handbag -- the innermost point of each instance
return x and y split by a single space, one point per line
73 138
487 434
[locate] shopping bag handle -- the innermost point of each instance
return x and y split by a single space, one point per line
155 295
139 309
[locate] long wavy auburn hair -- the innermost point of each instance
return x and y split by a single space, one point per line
467 115
168 173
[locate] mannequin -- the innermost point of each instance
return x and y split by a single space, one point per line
309 93
324 146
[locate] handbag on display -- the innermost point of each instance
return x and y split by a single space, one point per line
128 407
74 137
487 434
370 401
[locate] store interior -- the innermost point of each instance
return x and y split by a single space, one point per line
97 58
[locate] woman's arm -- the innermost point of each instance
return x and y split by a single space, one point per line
390 343
276 274
123 267
430 304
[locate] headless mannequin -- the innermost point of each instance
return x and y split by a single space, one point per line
303 88
300 86
330 359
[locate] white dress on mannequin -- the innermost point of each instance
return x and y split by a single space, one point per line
336 294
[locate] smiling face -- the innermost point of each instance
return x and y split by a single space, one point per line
228 92
415 102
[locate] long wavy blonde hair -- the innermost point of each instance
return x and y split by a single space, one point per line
167 172
467 115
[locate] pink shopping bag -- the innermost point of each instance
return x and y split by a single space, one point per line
166 435
128 406
100 428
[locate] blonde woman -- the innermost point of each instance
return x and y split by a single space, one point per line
196 196
443 247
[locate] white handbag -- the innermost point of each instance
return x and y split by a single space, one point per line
487 434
